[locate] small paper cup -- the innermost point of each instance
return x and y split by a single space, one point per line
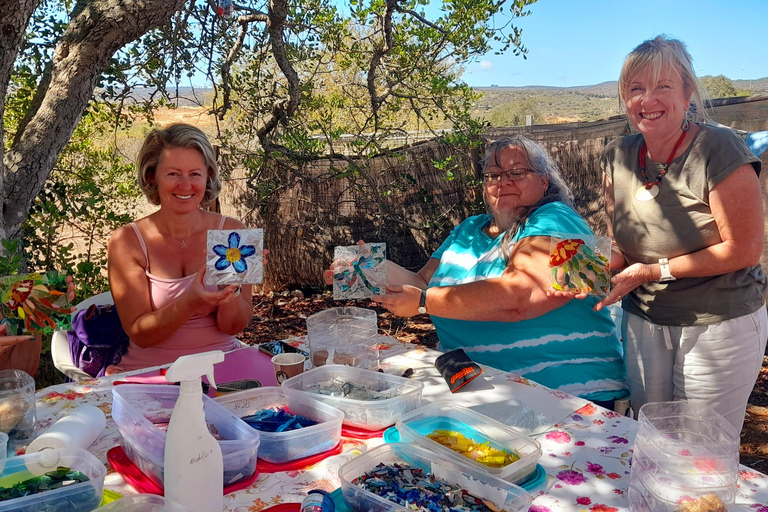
287 366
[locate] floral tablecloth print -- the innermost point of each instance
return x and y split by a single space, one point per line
586 455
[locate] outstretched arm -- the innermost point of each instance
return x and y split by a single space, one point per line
518 294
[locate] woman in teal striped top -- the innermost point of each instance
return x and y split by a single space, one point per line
485 288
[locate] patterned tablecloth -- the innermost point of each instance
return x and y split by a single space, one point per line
586 451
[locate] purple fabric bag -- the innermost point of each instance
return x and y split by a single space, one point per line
97 339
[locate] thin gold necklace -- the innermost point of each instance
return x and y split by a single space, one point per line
184 240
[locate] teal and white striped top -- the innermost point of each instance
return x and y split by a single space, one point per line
572 349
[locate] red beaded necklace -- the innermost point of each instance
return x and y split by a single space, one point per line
664 167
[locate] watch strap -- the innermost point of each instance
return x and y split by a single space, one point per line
666 275
423 302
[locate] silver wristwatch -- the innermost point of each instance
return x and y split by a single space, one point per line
666 275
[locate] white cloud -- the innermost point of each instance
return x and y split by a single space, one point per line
485 64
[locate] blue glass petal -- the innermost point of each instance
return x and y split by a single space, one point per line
222 264
234 240
221 250
247 250
240 266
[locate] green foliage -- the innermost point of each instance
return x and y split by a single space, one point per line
82 203
10 257
720 86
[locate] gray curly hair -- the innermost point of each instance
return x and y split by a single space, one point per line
541 163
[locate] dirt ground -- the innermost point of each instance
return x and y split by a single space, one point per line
284 314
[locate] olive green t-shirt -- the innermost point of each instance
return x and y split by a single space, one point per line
679 221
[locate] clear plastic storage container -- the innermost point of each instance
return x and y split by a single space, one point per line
687 429
648 495
78 496
505 495
344 336
682 451
142 503
281 447
17 407
418 424
138 409
396 395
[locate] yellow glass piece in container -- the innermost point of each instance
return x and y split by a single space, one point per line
479 452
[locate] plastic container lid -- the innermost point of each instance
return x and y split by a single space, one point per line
283 447
416 425
120 462
78 496
144 442
684 429
506 495
142 503
363 414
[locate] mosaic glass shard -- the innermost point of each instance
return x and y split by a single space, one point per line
234 256
35 303
580 263
359 271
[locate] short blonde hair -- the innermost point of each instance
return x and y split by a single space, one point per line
653 55
178 135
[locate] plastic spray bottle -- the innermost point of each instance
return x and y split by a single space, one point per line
194 471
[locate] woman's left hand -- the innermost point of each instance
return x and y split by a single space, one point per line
402 300
626 281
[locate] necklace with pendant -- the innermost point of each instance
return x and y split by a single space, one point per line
649 190
184 240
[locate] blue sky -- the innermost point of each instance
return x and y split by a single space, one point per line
584 42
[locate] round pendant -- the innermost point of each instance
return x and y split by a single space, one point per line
646 194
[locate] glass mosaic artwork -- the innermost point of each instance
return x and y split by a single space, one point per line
234 256
359 271
35 303
581 263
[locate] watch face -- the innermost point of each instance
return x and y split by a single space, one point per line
422 310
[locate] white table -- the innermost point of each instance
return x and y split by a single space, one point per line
586 449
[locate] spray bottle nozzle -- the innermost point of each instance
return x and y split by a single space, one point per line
194 366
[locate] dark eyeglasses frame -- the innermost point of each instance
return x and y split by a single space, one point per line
493 178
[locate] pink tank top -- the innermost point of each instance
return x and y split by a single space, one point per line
198 334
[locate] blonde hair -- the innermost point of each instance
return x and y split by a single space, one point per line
653 55
178 135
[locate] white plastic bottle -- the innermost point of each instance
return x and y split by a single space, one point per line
194 471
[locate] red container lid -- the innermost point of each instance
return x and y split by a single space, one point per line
359 433
270 467
139 481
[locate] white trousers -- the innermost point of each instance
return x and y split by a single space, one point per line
712 364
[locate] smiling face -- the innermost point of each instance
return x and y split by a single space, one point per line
181 177
656 105
506 196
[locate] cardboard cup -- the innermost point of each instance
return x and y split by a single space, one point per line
287 366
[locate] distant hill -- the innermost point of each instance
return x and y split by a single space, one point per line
508 106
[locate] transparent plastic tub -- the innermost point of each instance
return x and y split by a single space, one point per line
137 407
505 495
685 429
404 394
78 496
418 424
688 471
17 407
648 493
142 503
344 336
281 447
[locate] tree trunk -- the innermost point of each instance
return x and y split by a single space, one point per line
97 31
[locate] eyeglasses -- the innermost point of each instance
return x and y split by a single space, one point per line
493 178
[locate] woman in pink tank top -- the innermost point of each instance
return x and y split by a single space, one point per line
157 264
